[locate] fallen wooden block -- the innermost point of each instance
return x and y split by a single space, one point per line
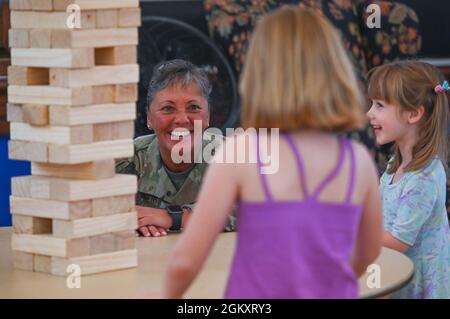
72 190
130 17
27 151
50 208
31 225
101 113
81 134
42 94
35 114
92 170
18 38
50 246
53 58
73 154
116 55
22 75
94 4
94 226
100 75
94 38
96 263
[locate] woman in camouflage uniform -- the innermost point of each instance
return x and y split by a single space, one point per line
177 96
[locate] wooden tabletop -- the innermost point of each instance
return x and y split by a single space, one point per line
395 271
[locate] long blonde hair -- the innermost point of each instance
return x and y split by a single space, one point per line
297 75
409 85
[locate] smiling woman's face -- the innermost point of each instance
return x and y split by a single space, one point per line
177 107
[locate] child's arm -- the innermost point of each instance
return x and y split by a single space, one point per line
392 242
368 244
216 198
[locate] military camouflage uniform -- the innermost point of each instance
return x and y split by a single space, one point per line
155 188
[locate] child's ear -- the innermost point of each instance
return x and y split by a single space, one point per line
415 116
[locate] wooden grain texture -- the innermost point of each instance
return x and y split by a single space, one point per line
22 75
52 209
100 75
72 190
28 151
95 225
81 134
53 58
73 154
94 38
116 55
101 113
91 170
43 94
95 4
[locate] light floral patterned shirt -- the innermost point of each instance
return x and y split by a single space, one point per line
414 213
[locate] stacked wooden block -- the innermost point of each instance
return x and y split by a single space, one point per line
71 104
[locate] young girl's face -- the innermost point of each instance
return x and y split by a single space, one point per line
387 122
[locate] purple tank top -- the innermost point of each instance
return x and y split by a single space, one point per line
296 249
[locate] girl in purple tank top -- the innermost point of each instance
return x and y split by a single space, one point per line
311 226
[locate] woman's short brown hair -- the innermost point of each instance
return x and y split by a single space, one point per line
297 75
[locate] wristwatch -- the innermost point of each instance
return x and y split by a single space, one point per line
175 212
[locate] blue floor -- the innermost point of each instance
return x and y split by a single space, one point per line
8 168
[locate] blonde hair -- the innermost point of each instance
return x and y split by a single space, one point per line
297 75
409 85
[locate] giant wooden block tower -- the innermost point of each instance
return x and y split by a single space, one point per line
71 104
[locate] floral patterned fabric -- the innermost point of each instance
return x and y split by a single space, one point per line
414 213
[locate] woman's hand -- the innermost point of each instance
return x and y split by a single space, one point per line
153 222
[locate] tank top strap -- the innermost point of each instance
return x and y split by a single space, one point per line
299 162
263 177
334 172
351 186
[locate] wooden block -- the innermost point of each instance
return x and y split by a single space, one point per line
130 17
23 261
125 240
42 5
94 226
116 55
27 151
50 246
100 75
103 94
22 75
54 58
42 263
50 208
101 244
92 170
42 94
21 186
72 190
73 154
20 4
81 134
97 263
18 38
40 38
113 131
94 38
107 18
126 93
38 20
111 242
14 113
101 113
35 114
61 5
113 205
31 225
